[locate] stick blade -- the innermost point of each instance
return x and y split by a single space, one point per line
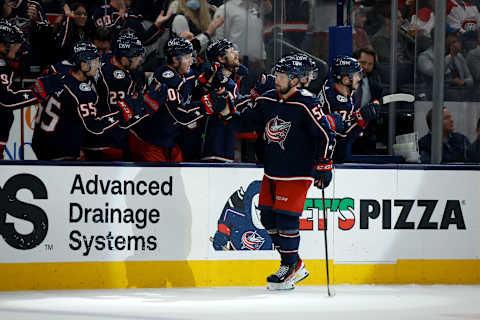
396 97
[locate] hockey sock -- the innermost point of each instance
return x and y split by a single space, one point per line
267 218
289 238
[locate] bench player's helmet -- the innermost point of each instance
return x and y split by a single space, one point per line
344 66
177 47
10 33
291 66
129 46
218 48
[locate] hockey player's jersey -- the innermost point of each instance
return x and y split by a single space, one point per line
332 100
107 16
10 100
176 110
220 138
113 84
296 133
65 117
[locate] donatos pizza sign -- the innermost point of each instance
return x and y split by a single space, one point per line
392 213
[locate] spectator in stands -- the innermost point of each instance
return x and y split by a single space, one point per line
103 41
381 40
473 151
360 36
193 22
463 18
456 69
473 61
75 27
454 148
244 27
424 19
369 90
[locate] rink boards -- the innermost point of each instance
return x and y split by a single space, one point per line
126 226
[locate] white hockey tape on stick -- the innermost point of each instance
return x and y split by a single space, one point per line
398 97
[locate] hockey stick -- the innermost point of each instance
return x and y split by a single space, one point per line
326 246
397 97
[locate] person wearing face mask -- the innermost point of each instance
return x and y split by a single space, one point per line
68 108
193 22
336 97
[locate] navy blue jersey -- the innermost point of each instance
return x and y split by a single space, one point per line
62 67
107 16
219 142
163 128
10 100
66 116
333 101
113 84
296 133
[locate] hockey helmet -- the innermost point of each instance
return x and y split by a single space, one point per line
10 33
178 47
84 51
309 65
128 45
344 66
291 66
217 48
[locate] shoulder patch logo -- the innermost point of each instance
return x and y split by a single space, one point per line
168 74
118 74
341 98
85 87
3 63
277 130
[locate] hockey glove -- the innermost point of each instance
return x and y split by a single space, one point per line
221 237
370 111
44 87
265 83
154 98
131 111
322 173
215 102
212 77
230 109
242 71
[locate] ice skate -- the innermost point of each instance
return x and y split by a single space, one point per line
286 277
301 272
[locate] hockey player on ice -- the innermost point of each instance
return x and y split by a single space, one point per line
336 96
239 226
299 142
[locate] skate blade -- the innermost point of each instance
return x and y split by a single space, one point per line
301 276
289 285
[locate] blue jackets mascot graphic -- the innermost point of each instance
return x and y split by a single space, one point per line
239 226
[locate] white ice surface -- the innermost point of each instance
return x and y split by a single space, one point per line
304 303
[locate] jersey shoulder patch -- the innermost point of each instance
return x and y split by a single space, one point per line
341 98
306 93
118 74
166 76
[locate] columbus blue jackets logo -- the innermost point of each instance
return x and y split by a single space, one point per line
239 226
252 240
277 130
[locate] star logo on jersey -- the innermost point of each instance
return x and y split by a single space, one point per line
277 130
111 120
25 96
252 240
